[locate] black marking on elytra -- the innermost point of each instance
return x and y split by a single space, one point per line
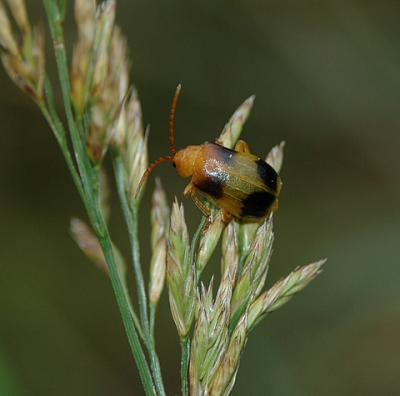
267 174
224 154
212 186
257 204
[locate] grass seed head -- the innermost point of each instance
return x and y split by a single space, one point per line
233 128
90 246
23 57
181 275
18 11
85 14
209 340
275 157
284 290
100 74
85 17
225 375
7 40
159 223
230 259
105 18
88 243
255 268
209 240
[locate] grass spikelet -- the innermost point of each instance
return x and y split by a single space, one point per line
159 223
234 126
181 275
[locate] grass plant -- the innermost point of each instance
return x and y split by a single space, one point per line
104 119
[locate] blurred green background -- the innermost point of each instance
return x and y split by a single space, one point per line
327 79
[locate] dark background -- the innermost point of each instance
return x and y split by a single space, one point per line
327 79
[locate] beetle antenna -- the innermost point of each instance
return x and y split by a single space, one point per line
171 142
150 169
172 120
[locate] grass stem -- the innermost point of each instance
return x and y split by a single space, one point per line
130 213
185 354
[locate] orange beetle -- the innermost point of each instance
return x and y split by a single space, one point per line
241 184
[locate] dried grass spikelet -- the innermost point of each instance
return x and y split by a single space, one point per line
129 137
91 56
23 56
88 241
90 246
181 276
104 47
103 89
7 40
159 223
85 12
110 85
18 11
100 72
85 17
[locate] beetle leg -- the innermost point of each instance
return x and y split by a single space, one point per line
206 211
226 216
242 147
188 190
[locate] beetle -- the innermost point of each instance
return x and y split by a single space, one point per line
241 184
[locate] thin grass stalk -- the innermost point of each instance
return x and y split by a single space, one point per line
131 218
131 222
185 356
55 127
123 304
51 115
153 311
63 8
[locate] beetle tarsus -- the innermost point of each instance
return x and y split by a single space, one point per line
226 217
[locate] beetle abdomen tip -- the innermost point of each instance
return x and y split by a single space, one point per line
267 174
257 204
